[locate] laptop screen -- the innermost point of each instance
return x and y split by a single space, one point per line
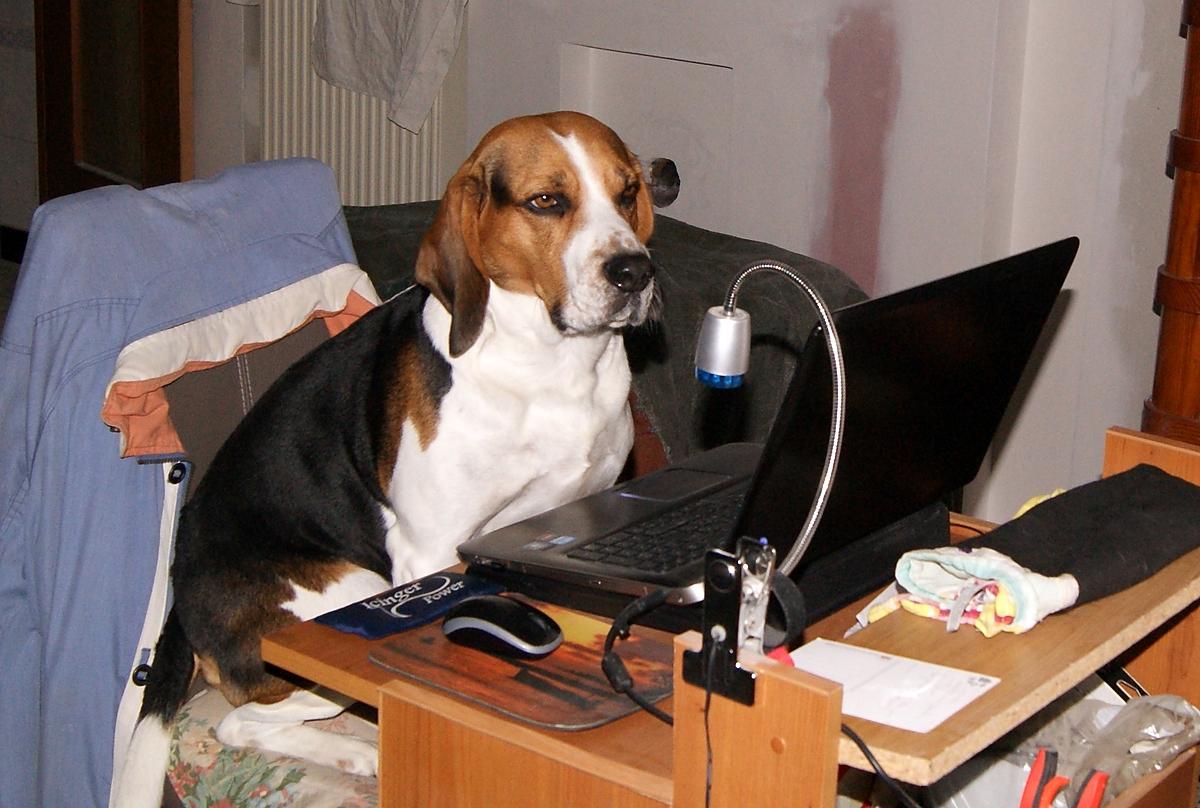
929 374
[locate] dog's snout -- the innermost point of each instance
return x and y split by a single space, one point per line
629 272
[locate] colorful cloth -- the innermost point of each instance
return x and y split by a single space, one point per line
979 587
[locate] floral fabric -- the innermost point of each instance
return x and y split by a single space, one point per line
208 774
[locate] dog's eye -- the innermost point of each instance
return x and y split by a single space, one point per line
545 203
628 196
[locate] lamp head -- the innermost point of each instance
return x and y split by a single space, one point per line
723 347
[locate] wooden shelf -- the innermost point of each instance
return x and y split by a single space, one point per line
438 750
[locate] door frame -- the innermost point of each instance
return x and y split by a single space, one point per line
165 40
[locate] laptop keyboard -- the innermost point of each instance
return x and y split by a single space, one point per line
670 539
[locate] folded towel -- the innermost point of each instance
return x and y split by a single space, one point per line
979 587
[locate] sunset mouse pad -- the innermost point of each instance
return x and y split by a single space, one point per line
565 690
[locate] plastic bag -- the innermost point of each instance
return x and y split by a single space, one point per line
1090 727
1128 742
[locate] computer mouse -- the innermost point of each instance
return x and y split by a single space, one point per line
502 626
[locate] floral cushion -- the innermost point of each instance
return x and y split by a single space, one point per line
206 773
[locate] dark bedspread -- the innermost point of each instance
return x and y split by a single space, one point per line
695 267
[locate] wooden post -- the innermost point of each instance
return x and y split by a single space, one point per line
1173 410
781 751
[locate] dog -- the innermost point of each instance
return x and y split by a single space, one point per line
505 393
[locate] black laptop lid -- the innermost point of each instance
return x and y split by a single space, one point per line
929 373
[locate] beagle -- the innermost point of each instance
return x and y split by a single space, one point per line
503 394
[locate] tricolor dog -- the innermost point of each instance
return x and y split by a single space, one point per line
372 458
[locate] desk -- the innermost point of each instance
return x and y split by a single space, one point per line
436 750
1034 668
625 763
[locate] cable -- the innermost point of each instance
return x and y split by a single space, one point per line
904 796
713 649
614 669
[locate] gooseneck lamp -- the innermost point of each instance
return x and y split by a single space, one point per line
723 357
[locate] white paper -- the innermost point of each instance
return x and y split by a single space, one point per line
893 690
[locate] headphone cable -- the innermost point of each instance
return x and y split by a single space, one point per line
612 665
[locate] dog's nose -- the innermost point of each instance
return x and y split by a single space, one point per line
629 272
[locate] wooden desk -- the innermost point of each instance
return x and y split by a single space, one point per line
436 750
1034 668
625 763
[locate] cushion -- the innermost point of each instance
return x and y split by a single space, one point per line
205 772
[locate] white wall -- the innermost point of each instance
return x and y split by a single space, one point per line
226 85
1099 98
902 140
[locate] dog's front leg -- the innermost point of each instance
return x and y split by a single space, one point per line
280 728
424 541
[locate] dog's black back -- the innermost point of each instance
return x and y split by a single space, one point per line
307 450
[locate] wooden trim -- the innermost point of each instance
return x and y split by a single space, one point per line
1175 396
76 81
1165 662
1168 424
12 244
161 136
436 750
62 168
187 130
297 648
1174 292
1126 448
1182 152
785 744
1189 16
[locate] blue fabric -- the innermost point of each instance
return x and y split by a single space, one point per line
408 606
78 525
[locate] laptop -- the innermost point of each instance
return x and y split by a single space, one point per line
929 373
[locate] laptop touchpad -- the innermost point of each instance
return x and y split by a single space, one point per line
672 484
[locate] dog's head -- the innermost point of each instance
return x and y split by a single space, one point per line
548 205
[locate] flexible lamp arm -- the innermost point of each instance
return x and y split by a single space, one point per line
722 357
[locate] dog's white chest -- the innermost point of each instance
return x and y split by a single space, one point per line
521 430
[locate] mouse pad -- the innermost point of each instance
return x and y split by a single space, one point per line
565 690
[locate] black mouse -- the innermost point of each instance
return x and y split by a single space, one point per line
502 626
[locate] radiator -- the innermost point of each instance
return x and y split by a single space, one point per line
375 161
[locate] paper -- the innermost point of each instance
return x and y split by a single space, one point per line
892 690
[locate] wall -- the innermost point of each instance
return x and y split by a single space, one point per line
226 86
901 141
225 40
18 114
1099 98
846 124
231 45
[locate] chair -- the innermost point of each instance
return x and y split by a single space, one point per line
143 325
122 293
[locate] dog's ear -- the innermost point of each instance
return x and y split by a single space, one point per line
663 176
643 217
448 263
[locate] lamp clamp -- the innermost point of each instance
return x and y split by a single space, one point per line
737 589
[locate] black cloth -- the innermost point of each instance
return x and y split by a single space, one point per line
1110 534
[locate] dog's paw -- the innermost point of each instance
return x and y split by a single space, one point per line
355 756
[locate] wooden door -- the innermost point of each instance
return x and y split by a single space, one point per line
114 90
